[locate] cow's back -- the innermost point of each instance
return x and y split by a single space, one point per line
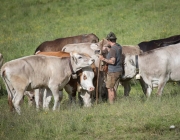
57 54
37 69
58 44
154 44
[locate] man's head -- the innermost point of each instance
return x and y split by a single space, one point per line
111 37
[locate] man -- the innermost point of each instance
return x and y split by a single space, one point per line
114 65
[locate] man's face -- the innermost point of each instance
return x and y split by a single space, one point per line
109 43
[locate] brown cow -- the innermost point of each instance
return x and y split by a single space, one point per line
58 44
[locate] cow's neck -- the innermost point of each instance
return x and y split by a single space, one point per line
71 67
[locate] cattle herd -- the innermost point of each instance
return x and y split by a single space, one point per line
72 64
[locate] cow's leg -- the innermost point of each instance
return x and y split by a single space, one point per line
57 98
37 98
73 98
71 93
144 86
11 92
160 88
17 99
41 94
15 94
47 95
80 99
127 87
148 91
10 103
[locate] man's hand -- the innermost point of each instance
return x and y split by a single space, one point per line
101 57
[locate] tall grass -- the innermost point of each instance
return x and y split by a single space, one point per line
26 24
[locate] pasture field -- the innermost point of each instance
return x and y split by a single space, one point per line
26 24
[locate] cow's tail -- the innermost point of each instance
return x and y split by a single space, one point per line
9 89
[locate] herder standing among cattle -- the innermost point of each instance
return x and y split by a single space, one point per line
114 62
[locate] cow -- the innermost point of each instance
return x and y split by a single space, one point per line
154 44
84 81
37 71
58 44
156 67
144 47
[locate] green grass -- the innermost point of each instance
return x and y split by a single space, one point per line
26 24
128 118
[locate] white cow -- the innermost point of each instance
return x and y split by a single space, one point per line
156 67
36 71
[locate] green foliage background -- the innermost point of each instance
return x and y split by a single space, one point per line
26 24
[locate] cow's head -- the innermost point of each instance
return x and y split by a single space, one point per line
95 48
103 43
80 60
129 66
86 79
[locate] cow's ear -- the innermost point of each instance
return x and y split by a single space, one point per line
74 59
73 55
94 46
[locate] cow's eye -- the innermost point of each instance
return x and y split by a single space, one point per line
84 77
79 57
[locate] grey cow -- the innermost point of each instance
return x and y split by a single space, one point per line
156 67
36 71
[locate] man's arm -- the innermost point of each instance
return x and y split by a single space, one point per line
109 61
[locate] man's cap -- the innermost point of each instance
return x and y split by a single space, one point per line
110 36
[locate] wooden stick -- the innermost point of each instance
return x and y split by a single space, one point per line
97 84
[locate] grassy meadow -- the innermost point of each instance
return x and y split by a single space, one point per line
26 24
